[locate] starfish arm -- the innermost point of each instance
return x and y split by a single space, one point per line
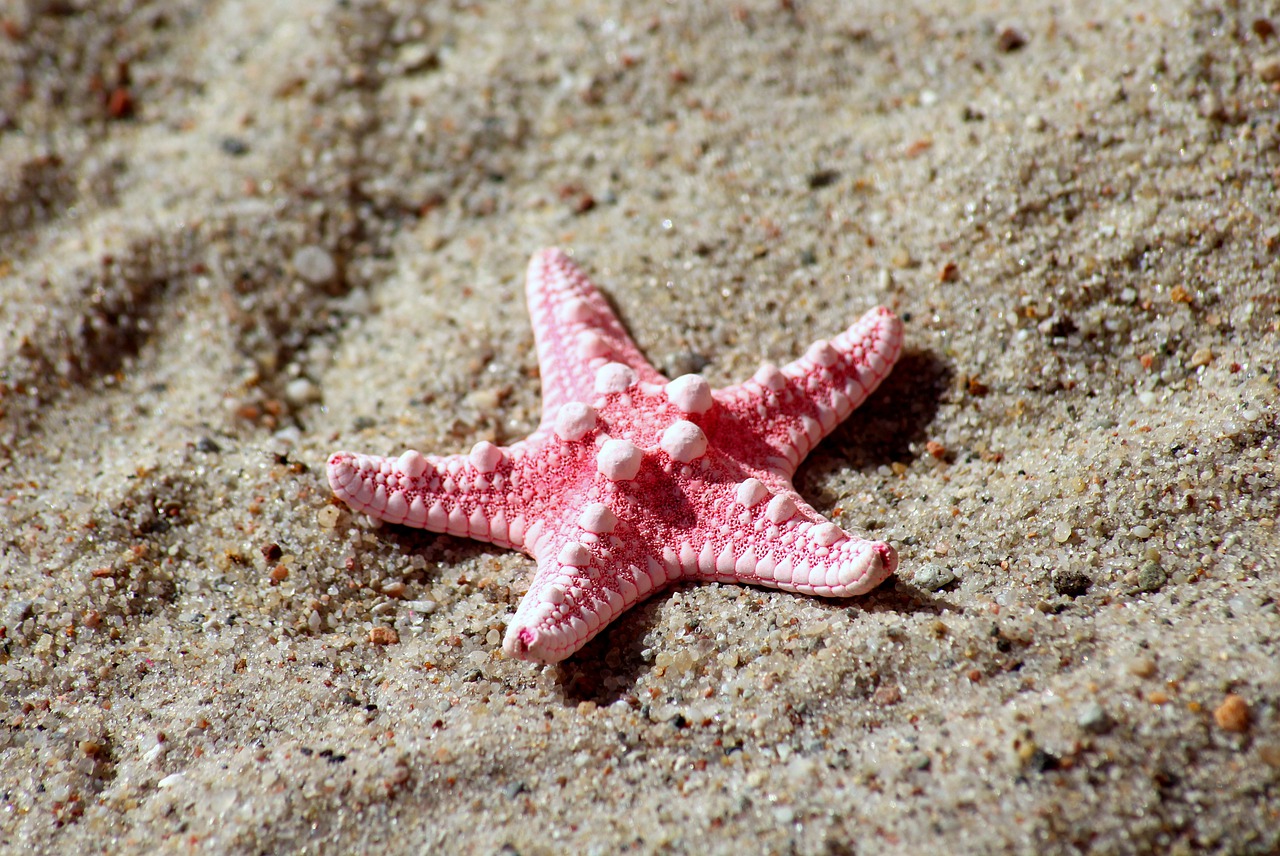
473 496
576 332
780 541
792 408
585 579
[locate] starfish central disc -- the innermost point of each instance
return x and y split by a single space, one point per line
632 482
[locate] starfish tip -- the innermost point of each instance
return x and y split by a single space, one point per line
340 469
888 559
518 642
526 643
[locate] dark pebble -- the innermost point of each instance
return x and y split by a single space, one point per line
234 147
1152 577
1071 582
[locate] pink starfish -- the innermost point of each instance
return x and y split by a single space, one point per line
632 482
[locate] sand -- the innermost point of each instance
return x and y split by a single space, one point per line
235 237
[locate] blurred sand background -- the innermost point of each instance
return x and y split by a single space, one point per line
237 236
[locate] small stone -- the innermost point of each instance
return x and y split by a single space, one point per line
171 781
381 635
1142 667
933 576
314 264
1233 714
1152 577
301 391
886 695
1094 719
234 146
17 612
327 517
1268 69
1071 582
1043 761
417 56
823 178
1010 40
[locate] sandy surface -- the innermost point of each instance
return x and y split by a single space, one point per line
236 236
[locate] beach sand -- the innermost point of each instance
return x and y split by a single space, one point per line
236 237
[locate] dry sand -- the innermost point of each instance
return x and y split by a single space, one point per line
236 236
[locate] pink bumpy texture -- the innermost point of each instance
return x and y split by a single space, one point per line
632 482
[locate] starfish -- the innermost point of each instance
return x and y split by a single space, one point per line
631 481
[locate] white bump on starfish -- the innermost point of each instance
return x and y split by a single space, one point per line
459 523
417 514
770 377
780 509
598 519
575 311
478 524
486 457
727 512
574 554
411 464
812 429
684 441
751 492
690 393
614 377
592 346
827 419
397 506
823 354
498 528
573 420
619 460
826 534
